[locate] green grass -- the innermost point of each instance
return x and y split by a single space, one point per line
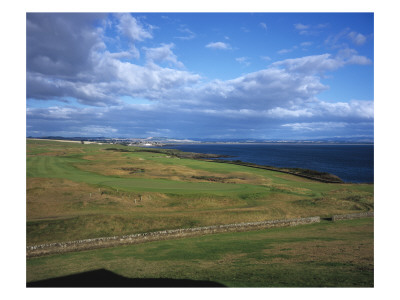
324 254
60 167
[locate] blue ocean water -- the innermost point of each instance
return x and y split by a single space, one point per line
352 163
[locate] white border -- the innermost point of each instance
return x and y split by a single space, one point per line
13 31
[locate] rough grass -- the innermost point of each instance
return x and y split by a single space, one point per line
325 254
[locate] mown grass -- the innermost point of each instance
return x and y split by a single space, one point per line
325 254
79 191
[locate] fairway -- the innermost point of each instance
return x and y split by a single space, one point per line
59 167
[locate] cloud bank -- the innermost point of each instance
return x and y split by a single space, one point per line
69 61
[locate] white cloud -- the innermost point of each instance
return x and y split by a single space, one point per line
189 35
321 63
184 120
309 29
340 40
133 52
243 60
279 113
264 26
310 64
98 130
219 45
132 28
323 25
147 80
163 53
112 78
261 90
359 60
122 55
306 44
300 26
353 109
357 38
45 88
350 56
284 51
315 126
61 44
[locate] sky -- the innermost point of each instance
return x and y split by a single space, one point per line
200 75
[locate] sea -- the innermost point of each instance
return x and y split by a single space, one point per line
353 163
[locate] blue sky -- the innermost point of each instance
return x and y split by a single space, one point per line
201 75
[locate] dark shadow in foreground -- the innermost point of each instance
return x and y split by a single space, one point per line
105 278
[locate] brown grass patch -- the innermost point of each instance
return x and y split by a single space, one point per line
293 178
288 188
325 251
49 198
109 163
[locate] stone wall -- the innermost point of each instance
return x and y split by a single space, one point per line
353 216
95 243
104 242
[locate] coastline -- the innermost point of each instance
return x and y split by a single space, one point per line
339 166
353 163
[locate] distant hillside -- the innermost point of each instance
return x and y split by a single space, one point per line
348 140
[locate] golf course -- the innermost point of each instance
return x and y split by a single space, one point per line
80 191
